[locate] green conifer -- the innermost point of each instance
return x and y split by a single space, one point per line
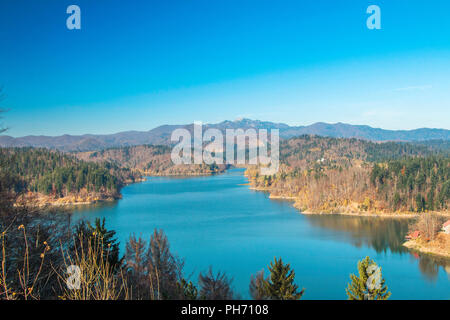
370 284
280 285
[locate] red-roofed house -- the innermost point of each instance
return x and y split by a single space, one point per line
446 227
413 235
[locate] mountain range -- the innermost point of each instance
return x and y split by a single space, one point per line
161 135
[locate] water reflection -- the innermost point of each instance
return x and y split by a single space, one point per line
429 265
383 235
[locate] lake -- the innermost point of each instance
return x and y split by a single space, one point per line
219 221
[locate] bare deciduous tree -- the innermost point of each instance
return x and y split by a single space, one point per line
215 286
256 287
428 224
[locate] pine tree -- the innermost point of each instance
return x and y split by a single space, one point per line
280 285
420 203
99 233
370 284
188 290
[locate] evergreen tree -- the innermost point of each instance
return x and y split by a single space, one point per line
188 290
370 284
420 203
280 285
98 232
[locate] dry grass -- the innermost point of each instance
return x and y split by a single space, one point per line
96 279
27 278
83 273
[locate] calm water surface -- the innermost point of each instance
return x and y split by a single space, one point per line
218 221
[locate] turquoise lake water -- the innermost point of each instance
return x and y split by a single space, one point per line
218 221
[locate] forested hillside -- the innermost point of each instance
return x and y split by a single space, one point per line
349 175
149 160
305 149
58 175
321 173
415 184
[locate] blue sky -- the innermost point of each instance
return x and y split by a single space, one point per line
135 65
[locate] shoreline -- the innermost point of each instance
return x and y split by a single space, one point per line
364 214
431 248
64 202
408 215
74 204
343 213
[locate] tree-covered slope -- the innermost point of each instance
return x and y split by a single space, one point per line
350 175
60 175
148 159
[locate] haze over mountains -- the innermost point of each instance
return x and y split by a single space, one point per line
161 135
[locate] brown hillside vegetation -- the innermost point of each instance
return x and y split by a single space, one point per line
426 235
148 160
328 175
440 245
